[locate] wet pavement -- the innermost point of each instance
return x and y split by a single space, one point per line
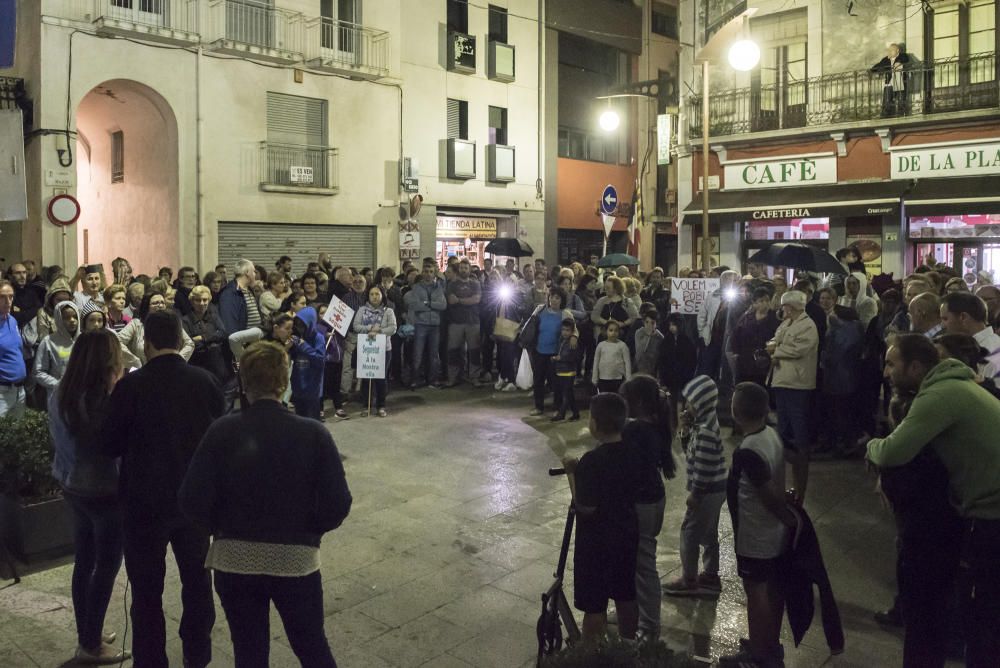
454 534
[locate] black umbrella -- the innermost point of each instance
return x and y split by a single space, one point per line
798 256
509 248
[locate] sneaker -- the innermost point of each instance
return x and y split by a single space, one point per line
499 385
109 637
558 417
682 587
382 413
710 582
510 387
574 417
102 656
342 414
536 412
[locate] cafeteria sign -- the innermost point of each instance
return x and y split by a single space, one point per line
456 227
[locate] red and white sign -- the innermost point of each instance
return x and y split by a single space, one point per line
339 316
63 210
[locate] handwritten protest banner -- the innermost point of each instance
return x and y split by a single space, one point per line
339 316
371 356
688 295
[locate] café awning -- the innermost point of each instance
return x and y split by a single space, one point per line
969 195
851 199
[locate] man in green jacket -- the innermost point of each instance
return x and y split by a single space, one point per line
960 421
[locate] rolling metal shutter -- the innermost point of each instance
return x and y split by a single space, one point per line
264 243
293 119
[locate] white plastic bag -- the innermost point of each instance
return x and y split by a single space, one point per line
525 378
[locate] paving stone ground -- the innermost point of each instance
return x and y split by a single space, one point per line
454 534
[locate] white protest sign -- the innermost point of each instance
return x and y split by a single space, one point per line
688 295
371 356
339 316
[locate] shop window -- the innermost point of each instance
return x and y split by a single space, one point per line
956 227
792 229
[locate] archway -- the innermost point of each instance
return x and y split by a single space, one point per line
127 181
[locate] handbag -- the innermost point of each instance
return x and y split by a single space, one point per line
505 329
528 335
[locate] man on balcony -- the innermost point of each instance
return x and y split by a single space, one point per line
892 68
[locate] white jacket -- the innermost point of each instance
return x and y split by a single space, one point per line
706 316
133 339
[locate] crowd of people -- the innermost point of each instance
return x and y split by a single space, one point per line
849 366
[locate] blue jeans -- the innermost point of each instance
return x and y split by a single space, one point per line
647 578
426 342
12 401
97 536
299 600
793 416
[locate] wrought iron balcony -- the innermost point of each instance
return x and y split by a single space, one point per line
251 28
295 168
347 48
944 86
171 21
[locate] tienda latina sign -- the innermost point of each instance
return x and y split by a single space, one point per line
931 160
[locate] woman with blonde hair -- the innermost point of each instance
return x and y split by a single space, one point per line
613 306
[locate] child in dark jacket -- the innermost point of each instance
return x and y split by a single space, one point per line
308 355
678 358
566 359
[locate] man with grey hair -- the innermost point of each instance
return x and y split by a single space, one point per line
925 315
991 295
238 309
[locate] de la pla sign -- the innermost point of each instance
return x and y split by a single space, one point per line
930 160
780 173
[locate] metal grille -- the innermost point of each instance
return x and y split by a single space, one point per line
263 243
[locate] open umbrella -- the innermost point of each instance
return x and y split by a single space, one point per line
617 260
509 248
798 256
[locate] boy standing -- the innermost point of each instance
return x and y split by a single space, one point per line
566 359
603 484
761 522
706 485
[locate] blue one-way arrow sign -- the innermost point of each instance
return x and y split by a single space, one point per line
609 200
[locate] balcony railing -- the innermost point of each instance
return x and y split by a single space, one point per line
246 26
944 86
347 48
161 20
291 167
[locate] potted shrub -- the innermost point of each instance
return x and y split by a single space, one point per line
34 518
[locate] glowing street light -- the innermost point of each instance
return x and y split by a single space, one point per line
609 120
744 55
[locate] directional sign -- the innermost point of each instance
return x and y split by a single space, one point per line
609 200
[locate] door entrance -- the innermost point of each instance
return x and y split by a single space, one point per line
968 258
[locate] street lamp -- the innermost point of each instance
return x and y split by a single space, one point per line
609 120
743 55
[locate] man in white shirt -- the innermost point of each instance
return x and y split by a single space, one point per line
965 313
925 315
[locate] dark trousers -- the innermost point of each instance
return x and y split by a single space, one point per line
299 601
146 541
793 416
710 360
331 383
979 587
508 358
309 407
564 396
379 390
609 385
487 345
426 350
97 537
543 371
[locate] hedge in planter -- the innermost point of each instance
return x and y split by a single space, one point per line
34 517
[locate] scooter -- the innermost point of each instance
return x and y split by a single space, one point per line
556 610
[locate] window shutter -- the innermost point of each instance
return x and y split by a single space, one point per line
454 119
292 119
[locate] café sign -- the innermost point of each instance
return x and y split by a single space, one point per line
781 173
932 160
